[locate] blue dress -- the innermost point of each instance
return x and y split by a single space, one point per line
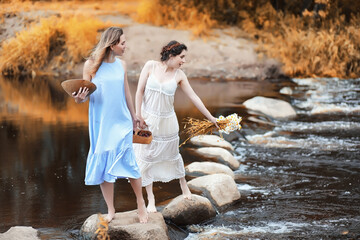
111 153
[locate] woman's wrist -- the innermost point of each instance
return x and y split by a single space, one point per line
212 118
79 100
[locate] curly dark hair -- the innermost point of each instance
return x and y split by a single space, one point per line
173 48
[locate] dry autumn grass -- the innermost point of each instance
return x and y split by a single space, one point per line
63 39
175 14
312 44
322 45
194 127
55 41
102 230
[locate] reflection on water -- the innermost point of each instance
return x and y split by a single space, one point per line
39 98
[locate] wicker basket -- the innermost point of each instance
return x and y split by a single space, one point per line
142 136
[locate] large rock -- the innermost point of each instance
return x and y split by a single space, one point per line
219 155
189 211
126 225
211 141
220 188
272 107
197 169
20 233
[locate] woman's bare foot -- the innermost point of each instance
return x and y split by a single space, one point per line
151 205
185 189
142 212
110 215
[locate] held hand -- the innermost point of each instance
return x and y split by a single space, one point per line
142 123
81 94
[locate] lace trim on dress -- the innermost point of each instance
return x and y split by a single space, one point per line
159 114
166 138
174 158
158 90
146 182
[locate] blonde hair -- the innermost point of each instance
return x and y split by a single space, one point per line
111 36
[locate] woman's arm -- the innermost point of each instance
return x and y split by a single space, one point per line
140 91
185 86
128 97
81 95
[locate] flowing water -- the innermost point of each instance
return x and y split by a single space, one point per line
298 179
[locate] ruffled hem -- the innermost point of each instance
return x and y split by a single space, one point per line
111 165
163 180
163 171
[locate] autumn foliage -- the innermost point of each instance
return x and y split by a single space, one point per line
319 39
55 41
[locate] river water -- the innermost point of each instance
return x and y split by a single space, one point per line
298 179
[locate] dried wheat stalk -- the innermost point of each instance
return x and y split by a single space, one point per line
194 127
102 230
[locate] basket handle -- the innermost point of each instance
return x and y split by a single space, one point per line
139 129
136 132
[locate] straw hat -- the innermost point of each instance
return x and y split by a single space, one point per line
73 85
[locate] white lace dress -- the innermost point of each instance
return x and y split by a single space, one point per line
160 160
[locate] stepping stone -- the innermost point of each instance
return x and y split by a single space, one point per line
220 188
274 108
189 211
20 233
211 141
126 225
217 154
197 169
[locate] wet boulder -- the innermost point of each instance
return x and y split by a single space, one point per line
126 225
20 232
211 141
189 211
286 91
197 169
220 188
217 154
274 108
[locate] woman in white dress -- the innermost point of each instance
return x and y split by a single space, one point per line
160 160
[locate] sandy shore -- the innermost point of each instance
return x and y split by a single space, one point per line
226 55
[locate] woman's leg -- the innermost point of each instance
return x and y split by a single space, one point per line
107 190
136 185
184 188
151 198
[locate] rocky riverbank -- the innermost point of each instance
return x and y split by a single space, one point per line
226 55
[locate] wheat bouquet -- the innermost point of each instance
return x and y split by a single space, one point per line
194 127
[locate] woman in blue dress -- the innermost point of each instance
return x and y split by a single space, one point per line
112 119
